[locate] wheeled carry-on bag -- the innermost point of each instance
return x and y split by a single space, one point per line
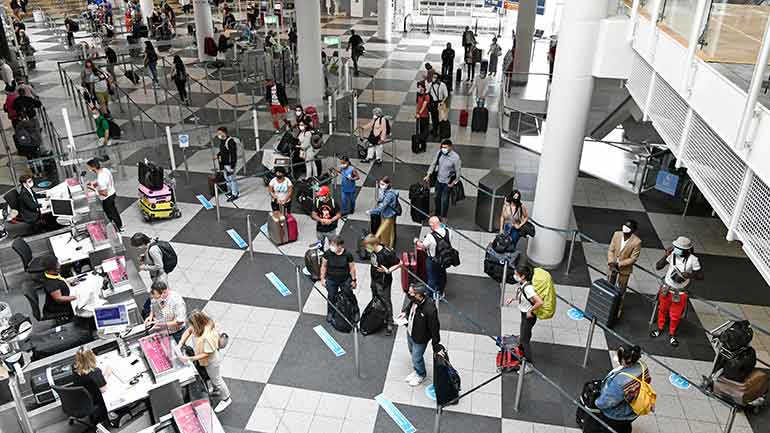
373 317
419 197
459 75
480 119
313 258
494 268
418 144
446 379
603 302
444 130
464 118
742 393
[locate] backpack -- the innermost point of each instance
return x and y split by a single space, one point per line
397 208
508 358
347 306
387 125
210 46
74 26
543 284
644 403
737 336
23 138
169 256
446 255
112 57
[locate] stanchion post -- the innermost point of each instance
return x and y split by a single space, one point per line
251 238
299 289
355 111
331 125
730 420
355 350
519 384
437 422
503 282
393 153
589 340
170 148
216 198
255 120
571 250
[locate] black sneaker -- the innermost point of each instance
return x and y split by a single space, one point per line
673 341
232 198
378 162
654 333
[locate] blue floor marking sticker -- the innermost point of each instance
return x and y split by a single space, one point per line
237 238
395 414
331 343
205 202
282 289
263 228
575 314
430 392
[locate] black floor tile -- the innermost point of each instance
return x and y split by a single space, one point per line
634 325
216 233
414 48
478 156
461 216
659 202
404 64
245 395
600 224
340 145
124 203
214 116
247 285
322 371
723 272
403 130
451 422
353 231
472 305
578 274
195 304
562 365
197 99
365 111
404 176
186 192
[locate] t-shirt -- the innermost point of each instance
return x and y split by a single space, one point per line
526 293
171 309
104 182
348 184
281 188
51 285
422 99
677 266
100 85
338 265
326 210
386 258
430 241
102 126
92 381
274 96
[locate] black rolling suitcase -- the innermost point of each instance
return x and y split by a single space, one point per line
447 79
494 268
444 130
459 75
591 391
446 379
419 197
480 119
484 66
418 144
603 302
373 317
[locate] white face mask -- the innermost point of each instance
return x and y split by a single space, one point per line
221 136
444 151
517 278
626 229
383 186
301 127
298 113
95 115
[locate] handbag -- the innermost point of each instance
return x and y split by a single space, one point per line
443 112
528 229
457 193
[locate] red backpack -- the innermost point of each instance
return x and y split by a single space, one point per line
505 360
210 47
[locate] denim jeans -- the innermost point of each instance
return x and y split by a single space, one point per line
514 233
348 202
232 184
436 275
153 67
417 351
442 199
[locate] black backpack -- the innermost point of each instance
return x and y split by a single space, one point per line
446 255
373 318
210 46
737 336
112 57
169 256
347 305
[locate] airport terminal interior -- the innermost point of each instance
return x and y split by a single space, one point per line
599 167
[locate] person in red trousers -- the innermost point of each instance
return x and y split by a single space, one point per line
683 266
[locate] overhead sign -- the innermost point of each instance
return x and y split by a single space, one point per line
666 182
271 19
184 141
332 40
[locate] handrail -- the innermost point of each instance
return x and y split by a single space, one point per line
409 15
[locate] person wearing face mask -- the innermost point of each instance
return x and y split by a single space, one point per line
168 311
438 93
620 387
447 167
422 327
623 252
338 272
379 134
387 209
150 256
384 262
307 150
348 177
325 213
299 115
281 191
105 188
529 302
513 216
29 206
228 158
437 274
276 95
683 266
102 128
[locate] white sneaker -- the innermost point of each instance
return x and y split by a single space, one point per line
410 377
416 380
223 405
528 369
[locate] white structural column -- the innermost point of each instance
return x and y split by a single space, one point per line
311 78
146 7
204 27
525 29
385 18
565 129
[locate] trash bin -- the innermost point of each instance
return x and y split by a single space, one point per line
489 203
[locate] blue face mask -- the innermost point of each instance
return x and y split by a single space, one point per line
678 252
442 225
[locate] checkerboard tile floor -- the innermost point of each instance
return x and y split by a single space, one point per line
288 381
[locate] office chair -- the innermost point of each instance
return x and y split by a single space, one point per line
12 198
77 404
32 265
47 321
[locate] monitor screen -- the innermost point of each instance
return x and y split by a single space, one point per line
111 315
60 207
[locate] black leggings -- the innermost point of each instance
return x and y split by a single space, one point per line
525 335
471 71
181 86
108 204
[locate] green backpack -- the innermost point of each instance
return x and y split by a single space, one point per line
545 289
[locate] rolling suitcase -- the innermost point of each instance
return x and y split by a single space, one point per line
484 67
591 391
410 264
446 379
444 129
464 118
603 302
418 144
419 197
277 228
447 79
480 119
421 257
292 230
217 180
494 268
742 393
373 317
313 263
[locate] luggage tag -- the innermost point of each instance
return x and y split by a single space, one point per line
677 296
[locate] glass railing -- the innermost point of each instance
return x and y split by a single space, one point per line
733 32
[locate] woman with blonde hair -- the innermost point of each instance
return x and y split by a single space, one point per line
207 354
90 376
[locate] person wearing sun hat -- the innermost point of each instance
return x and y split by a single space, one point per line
683 266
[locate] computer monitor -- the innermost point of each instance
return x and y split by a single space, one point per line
62 207
111 319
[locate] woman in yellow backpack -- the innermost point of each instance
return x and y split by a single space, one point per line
529 304
625 392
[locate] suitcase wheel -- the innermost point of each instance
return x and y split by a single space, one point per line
147 217
177 213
